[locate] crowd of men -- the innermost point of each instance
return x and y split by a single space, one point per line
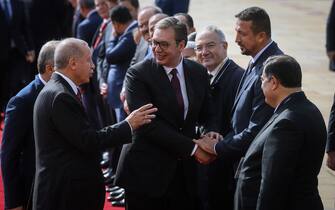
184 126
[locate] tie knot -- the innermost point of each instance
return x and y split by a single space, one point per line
210 76
174 72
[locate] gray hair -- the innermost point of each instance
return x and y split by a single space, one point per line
46 55
154 9
217 31
67 49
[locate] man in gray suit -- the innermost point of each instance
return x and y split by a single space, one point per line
281 166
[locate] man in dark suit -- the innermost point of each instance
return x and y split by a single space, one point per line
18 146
68 174
211 51
16 49
119 53
330 37
88 27
158 170
250 112
172 7
331 138
281 166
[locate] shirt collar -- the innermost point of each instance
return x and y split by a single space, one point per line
179 68
42 80
217 69
285 100
68 80
254 59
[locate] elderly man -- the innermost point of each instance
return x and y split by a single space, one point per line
18 145
143 48
281 166
68 174
225 75
158 168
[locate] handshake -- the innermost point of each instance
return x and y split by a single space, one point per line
205 152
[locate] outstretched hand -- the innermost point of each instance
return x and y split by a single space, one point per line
207 144
141 116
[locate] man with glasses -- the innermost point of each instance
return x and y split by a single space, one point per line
158 170
225 75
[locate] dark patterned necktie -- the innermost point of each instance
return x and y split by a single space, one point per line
79 97
176 86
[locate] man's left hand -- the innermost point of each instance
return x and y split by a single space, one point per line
207 143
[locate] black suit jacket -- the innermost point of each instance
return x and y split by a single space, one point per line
282 164
331 129
148 165
223 91
68 173
249 112
18 146
16 30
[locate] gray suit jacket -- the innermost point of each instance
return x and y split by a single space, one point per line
281 166
141 51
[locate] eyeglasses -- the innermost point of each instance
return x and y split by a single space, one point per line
208 46
163 44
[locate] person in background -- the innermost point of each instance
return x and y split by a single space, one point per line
18 144
172 7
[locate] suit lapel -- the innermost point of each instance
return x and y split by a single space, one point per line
189 88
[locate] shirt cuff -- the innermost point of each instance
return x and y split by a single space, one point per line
215 149
131 129
194 149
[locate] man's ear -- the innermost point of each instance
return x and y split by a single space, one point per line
72 63
274 83
181 45
261 37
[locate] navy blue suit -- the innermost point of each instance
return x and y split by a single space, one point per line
331 130
88 27
171 7
250 112
119 54
18 146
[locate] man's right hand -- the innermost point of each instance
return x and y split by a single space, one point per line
203 157
141 116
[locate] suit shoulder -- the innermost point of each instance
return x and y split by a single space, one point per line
143 65
195 67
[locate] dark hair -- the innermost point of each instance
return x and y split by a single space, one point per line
89 4
179 28
189 19
260 19
134 3
120 14
285 68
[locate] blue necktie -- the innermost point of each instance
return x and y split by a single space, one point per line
6 10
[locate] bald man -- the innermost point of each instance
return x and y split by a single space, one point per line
68 174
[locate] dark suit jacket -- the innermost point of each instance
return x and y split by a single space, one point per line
88 27
18 146
331 129
223 91
281 166
118 55
330 35
17 30
148 165
68 172
250 112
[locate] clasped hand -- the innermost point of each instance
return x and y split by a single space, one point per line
205 152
